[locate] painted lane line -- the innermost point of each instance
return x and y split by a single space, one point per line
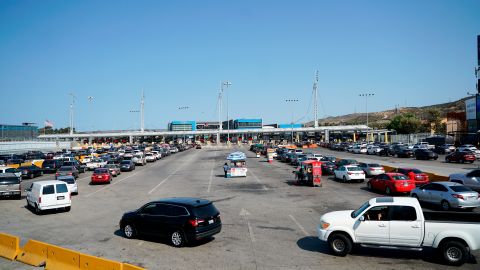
258 180
299 225
168 177
211 172
244 213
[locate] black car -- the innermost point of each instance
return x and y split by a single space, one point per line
182 220
404 152
127 165
51 165
30 171
328 168
425 154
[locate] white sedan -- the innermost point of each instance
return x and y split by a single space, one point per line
96 163
350 173
150 157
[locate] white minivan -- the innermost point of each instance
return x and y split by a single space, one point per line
50 194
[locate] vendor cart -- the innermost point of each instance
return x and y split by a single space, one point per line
309 173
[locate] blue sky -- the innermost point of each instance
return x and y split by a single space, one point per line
406 52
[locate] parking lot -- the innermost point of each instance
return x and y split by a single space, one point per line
268 222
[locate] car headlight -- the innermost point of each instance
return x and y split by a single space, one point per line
324 225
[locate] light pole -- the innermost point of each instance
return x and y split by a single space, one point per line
291 101
90 100
184 108
366 95
226 84
72 105
134 111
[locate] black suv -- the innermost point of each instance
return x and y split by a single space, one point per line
51 165
182 220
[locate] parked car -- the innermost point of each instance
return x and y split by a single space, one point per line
344 162
114 169
96 163
157 154
404 152
150 157
127 166
67 171
470 147
50 194
101 175
30 171
371 169
349 173
6 169
51 165
71 183
373 150
328 168
81 168
391 183
448 195
425 154
416 175
10 185
460 156
470 179
181 220
445 149
329 158
400 223
297 159
139 160
357 149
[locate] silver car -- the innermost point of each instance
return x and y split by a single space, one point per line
10 185
371 169
114 169
448 195
71 183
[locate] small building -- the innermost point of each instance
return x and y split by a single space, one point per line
244 124
182 126
18 132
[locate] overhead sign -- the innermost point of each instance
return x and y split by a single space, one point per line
471 108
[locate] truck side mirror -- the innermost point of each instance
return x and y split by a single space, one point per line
362 218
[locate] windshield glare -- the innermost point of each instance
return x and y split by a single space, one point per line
360 210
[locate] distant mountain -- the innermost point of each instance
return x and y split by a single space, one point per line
380 119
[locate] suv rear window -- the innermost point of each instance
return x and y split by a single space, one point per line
9 180
205 210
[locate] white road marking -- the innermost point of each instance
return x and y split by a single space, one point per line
211 172
244 213
258 180
168 177
299 225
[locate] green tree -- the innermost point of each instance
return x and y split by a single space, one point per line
434 120
405 123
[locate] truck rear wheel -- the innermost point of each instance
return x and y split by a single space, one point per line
454 253
340 244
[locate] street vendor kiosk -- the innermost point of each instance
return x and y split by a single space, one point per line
310 173
237 167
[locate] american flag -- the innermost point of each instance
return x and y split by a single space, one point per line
48 123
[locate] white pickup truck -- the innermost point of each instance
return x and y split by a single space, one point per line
400 223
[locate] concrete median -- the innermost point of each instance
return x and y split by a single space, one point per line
88 262
33 253
59 258
9 246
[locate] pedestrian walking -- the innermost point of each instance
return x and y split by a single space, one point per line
225 169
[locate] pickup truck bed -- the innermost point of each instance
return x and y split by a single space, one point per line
451 216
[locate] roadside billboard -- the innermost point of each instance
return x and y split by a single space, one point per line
471 108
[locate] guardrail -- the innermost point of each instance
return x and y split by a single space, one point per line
53 257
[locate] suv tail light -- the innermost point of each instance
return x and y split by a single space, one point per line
39 199
195 222
458 196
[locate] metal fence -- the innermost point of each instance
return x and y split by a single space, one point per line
410 138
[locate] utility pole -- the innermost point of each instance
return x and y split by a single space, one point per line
315 101
142 119
227 84
72 104
366 95
90 100
219 116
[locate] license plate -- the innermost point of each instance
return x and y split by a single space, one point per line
60 197
210 221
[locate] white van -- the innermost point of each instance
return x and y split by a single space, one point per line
50 194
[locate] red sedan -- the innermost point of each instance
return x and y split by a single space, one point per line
460 156
416 175
391 183
101 175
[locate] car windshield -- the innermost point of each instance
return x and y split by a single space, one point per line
360 210
460 188
205 210
400 177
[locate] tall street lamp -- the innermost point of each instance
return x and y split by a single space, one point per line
225 85
90 101
366 95
291 101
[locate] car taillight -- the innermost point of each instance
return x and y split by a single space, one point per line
39 199
349 173
458 196
195 222
69 173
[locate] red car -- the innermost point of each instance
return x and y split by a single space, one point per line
416 175
391 183
460 156
101 175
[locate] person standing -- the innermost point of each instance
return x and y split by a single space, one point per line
225 169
